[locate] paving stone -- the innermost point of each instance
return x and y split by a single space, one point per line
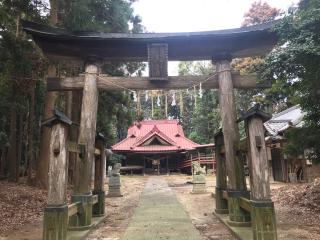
160 216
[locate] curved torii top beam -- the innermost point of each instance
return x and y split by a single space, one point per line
233 43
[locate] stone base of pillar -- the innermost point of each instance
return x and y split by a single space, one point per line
82 220
114 191
199 188
264 224
98 209
221 203
55 222
221 211
237 215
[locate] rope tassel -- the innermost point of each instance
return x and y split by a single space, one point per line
135 99
200 90
173 103
158 101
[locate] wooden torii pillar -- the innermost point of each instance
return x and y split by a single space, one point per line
87 132
262 208
236 186
55 222
99 173
221 175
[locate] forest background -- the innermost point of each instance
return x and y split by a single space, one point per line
292 69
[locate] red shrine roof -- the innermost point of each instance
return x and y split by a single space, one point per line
154 136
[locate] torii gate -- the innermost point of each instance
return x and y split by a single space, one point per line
159 48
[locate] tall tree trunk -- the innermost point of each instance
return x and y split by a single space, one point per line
138 106
19 143
181 104
26 140
3 163
54 12
152 107
43 163
12 151
30 134
166 104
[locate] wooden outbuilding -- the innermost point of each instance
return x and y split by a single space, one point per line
286 167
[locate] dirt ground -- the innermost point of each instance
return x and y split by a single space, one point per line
120 210
293 222
21 210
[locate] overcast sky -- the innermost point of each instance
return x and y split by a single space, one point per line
196 15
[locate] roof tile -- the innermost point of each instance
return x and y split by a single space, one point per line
169 130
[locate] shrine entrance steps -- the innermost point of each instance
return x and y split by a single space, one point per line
160 215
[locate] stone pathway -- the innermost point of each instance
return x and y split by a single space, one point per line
160 216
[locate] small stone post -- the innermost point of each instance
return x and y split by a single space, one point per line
262 209
199 178
55 222
115 182
221 175
99 172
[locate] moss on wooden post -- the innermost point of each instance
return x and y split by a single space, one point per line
100 163
221 203
264 224
98 209
221 176
238 216
55 222
82 220
262 209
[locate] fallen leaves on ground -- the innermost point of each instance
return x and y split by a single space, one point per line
303 200
19 204
297 207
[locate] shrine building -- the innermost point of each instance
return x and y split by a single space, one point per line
160 146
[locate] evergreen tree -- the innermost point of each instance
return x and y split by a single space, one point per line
270 99
116 110
295 63
21 66
206 118
201 119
